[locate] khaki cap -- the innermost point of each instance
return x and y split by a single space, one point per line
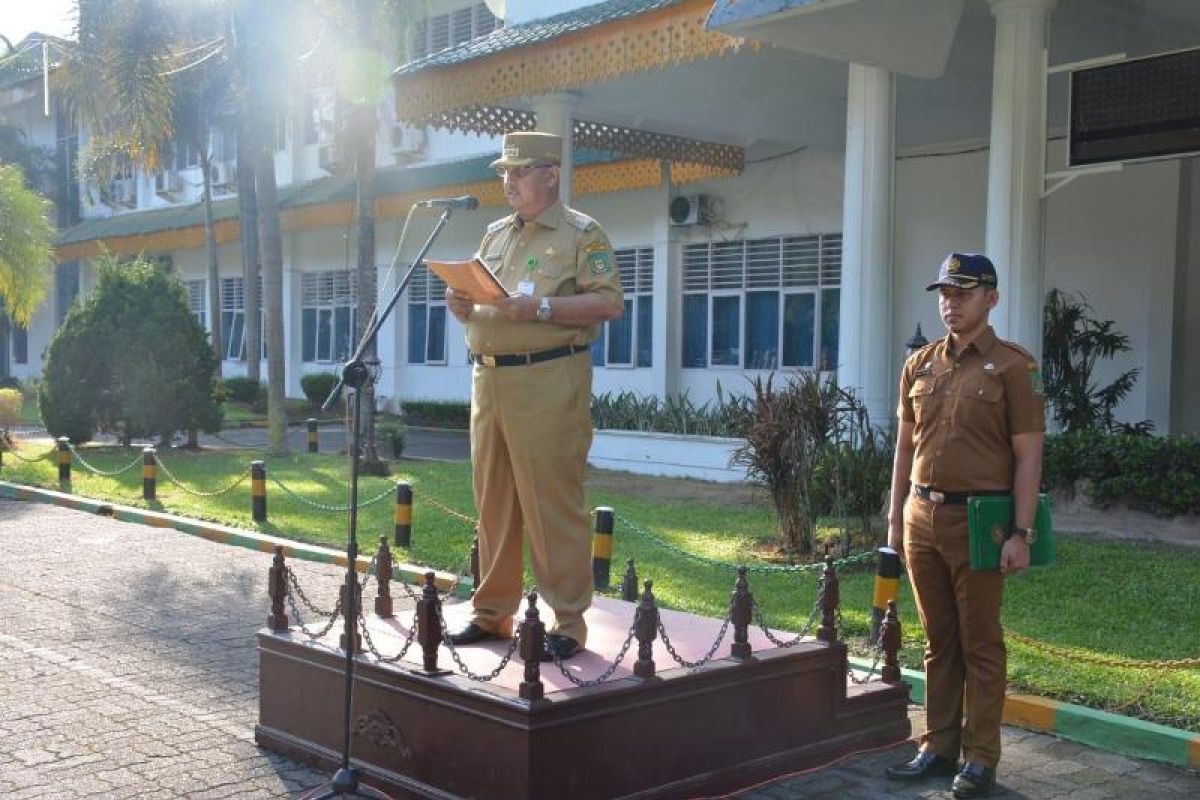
528 148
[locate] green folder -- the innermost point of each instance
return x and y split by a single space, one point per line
988 522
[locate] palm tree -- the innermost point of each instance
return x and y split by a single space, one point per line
26 246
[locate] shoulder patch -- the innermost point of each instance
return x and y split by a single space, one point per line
500 224
580 221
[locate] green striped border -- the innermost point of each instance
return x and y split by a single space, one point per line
225 534
1099 729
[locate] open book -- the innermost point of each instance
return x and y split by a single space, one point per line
470 277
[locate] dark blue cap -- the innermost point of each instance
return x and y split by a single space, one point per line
966 271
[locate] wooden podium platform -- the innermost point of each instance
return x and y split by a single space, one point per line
724 725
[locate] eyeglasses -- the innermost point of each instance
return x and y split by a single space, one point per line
519 172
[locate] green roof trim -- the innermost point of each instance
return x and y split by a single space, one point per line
535 32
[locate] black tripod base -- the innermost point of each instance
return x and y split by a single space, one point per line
344 784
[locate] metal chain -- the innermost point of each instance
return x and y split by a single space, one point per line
35 459
445 509
106 473
175 480
326 506
491 676
295 584
604 676
337 612
812 617
408 640
1103 661
766 568
662 632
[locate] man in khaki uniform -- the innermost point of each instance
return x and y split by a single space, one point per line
972 422
531 393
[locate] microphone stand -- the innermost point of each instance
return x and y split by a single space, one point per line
356 375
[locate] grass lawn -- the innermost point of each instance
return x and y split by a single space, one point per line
1102 599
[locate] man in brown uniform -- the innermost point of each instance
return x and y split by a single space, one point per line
972 422
531 393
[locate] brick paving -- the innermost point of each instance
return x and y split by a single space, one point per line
128 669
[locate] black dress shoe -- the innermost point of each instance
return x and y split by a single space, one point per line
559 647
974 780
470 634
926 764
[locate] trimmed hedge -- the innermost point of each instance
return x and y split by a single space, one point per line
437 414
240 389
1158 474
317 386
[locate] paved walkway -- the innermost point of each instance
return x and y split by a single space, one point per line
128 669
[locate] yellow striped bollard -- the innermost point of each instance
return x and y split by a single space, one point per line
258 491
403 518
149 473
602 547
887 586
64 460
312 435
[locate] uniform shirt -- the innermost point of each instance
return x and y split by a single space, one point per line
965 408
563 252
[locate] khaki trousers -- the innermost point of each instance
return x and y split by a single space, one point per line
960 611
531 428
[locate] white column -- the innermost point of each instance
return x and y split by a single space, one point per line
666 300
866 352
553 112
1014 204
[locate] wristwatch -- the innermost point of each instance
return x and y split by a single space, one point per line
543 310
1027 534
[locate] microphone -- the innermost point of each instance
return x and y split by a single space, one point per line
467 201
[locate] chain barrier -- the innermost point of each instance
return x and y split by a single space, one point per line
445 509
604 676
327 506
408 640
333 617
231 442
226 490
35 459
1104 661
295 585
762 624
816 566
105 473
662 632
462 667
876 649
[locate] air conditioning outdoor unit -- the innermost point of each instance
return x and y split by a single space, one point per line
691 209
168 184
407 140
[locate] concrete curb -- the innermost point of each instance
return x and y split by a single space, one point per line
1099 729
225 534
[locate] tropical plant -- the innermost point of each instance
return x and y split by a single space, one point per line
1072 342
26 246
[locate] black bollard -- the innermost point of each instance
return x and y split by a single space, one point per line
312 435
429 624
149 474
602 548
533 638
403 518
741 614
629 583
258 491
383 579
646 630
64 459
277 590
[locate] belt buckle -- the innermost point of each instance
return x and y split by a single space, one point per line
936 496
487 361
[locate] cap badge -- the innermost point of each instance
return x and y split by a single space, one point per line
952 265
512 151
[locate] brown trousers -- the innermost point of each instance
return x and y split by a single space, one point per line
531 428
960 611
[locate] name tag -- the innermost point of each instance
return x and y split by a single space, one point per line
525 288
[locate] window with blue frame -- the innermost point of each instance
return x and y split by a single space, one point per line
233 318
426 318
762 303
329 314
629 341
195 298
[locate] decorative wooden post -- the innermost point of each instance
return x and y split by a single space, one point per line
383 579
312 435
741 614
646 630
351 612
403 520
258 491
629 583
602 548
829 600
149 474
533 639
277 590
890 641
64 459
429 624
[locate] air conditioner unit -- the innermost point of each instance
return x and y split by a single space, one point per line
123 192
691 209
168 184
407 140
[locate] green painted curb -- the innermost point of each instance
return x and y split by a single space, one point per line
222 534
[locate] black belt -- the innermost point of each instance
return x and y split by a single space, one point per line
523 359
956 498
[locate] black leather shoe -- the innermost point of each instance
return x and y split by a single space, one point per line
560 647
926 764
974 780
471 634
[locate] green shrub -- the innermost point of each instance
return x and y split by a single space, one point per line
245 390
628 411
394 432
10 407
1160 475
9 382
438 414
317 387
